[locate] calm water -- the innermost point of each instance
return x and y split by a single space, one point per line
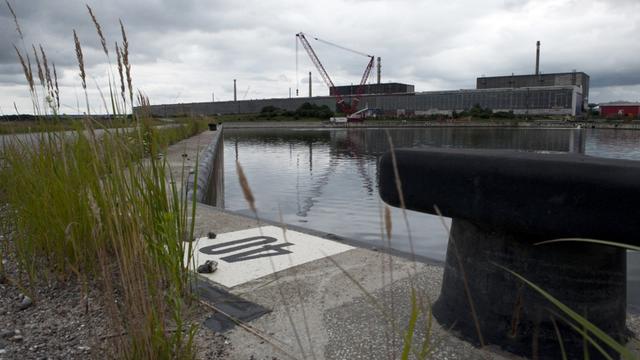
326 179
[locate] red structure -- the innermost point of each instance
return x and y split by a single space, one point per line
621 109
348 109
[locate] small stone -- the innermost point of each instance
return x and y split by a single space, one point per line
6 334
84 348
3 351
208 267
25 303
211 235
17 338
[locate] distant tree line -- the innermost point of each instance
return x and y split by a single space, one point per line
478 111
306 110
62 117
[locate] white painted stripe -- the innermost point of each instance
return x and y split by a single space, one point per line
247 255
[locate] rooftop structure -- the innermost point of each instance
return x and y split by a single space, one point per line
553 79
382 88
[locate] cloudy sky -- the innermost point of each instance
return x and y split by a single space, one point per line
183 51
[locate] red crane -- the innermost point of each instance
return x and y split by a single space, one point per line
355 100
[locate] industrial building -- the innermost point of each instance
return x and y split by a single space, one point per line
579 79
548 100
620 109
381 88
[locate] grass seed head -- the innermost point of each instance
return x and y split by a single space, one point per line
246 189
26 67
120 72
56 90
47 71
387 221
39 66
15 19
80 59
99 30
125 60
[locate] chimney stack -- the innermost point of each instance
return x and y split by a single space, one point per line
538 58
310 84
379 69
235 97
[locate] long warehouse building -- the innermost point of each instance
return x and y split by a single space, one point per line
565 100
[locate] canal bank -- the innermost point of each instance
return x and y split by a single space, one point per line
327 307
417 123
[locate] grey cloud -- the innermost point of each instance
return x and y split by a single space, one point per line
192 48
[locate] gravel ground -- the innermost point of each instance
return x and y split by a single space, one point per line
57 320
63 320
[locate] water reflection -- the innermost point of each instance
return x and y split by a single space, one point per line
327 179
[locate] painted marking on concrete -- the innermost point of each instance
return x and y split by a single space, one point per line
247 255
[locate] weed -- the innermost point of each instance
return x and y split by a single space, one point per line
102 204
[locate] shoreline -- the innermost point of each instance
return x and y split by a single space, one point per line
539 124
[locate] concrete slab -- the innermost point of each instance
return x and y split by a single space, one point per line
247 255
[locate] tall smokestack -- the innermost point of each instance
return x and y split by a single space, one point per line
538 58
379 69
235 96
310 84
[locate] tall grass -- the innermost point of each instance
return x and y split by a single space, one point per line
103 206
88 207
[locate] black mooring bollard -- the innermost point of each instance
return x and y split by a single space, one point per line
212 127
502 204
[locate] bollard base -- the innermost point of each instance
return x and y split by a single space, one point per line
590 279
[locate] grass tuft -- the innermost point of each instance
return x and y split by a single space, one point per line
584 326
99 203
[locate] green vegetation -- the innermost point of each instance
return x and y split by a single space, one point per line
306 110
584 327
102 207
479 112
98 207
27 124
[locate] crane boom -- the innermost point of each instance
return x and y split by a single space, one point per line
347 109
360 89
314 59
321 70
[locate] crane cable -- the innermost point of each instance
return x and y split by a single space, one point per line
296 65
342 47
